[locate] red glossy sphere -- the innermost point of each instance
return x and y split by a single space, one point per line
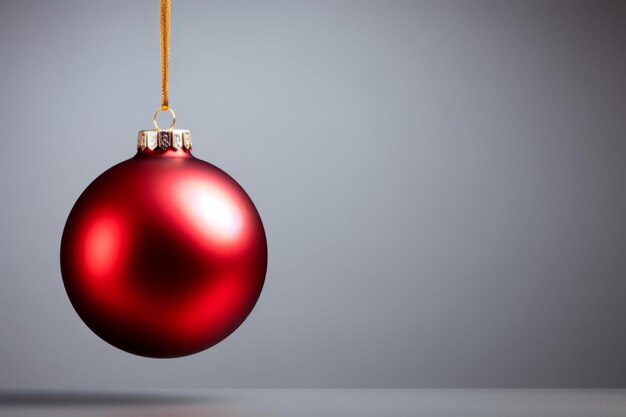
163 255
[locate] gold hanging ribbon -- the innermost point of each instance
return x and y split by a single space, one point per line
165 14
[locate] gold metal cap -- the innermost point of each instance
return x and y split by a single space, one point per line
163 139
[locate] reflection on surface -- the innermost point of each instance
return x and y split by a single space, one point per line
111 404
86 398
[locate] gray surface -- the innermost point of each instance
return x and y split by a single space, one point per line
319 403
442 183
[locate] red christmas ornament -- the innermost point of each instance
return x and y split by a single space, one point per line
163 255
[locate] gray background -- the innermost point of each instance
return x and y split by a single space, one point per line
442 184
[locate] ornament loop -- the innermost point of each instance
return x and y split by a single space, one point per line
156 113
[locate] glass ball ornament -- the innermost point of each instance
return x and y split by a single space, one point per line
163 255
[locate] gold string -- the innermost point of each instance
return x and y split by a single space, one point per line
165 14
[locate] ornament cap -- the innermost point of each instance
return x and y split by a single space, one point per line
151 140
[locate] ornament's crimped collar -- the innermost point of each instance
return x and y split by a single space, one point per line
164 139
